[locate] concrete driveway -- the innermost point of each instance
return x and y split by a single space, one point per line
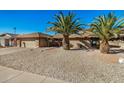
8 75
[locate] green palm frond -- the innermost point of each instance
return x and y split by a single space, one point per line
107 26
65 24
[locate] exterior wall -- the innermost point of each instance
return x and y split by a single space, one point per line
84 43
6 40
74 44
9 42
18 43
117 43
2 42
13 42
28 43
43 43
32 43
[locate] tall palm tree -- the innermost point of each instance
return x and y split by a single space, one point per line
106 27
66 25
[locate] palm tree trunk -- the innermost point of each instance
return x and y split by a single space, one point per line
104 47
66 42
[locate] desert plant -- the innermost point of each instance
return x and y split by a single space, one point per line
106 27
65 25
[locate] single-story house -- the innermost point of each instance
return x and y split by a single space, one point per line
33 40
90 39
84 38
7 39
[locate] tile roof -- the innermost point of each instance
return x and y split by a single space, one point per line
34 35
82 34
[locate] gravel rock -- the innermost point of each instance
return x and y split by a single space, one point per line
70 65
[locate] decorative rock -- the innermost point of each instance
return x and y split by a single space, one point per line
121 60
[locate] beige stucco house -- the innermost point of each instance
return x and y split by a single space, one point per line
86 39
33 40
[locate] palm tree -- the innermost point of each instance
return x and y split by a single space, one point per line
66 25
106 27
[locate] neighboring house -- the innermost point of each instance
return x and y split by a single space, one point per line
7 40
33 40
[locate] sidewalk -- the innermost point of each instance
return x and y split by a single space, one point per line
8 75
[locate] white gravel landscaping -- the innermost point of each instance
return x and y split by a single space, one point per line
72 66
10 50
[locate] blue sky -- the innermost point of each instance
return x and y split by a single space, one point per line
29 21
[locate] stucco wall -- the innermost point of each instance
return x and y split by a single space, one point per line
117 43
32 43
18 43
85 44
43 43
29 43
2 42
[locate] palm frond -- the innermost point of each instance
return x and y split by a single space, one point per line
66 24
107 26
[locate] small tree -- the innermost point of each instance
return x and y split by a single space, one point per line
66 25
106 27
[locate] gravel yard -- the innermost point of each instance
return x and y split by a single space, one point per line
71 66
4 51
